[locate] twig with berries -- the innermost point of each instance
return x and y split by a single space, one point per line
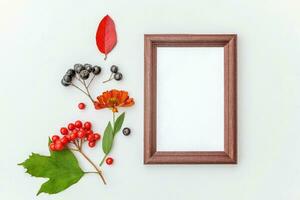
115 74
81 73
74 136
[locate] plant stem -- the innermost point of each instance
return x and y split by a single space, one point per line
114 117
96 168
90 161
110 78
88 92
79 88
80 143
103 159
91 80
73 149
91 172
79 79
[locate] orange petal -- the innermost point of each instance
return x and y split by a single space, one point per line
114 93
128 102
98 106
123 96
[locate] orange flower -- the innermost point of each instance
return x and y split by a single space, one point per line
113 99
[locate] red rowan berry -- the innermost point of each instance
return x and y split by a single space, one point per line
75 131
68 137
87 125
55 138
59 145
81 106
91 138
52 146
92 144
71 126
89 132
109 160
97 136
78 124
74 135
64 140
81 134
64 131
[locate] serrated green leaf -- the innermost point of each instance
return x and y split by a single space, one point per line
119 123
108 138
61 167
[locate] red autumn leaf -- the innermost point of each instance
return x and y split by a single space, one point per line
106 36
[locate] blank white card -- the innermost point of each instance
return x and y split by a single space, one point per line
190 99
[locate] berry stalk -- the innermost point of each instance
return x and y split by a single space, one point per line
88 92
94 165
110 78
89 160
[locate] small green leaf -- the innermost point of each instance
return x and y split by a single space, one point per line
61 167
108 138
119 123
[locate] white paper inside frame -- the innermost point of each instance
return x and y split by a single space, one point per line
190 99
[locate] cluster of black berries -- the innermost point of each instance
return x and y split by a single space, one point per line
115 71
82 71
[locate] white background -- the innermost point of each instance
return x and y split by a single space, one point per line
39 40
190 99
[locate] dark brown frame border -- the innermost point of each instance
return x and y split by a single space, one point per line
229 155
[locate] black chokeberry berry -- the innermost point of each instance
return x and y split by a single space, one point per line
78 68
97 70
65 83
114 69
67 78
84 74
88 67
118 76
126 131
70 72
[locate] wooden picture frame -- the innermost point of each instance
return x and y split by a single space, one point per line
151 43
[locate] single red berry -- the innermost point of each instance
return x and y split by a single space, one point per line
89 132
55 138
78 124
75 131
64 131
92 144
68 137
81 134
109 160
59 145
97 136
74 135
71 126
82 129
52 146
81 106
64 140
87 125
91 138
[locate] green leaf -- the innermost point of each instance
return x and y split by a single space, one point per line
61 167
108 138
119 123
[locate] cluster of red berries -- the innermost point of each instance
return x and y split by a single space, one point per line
75 133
